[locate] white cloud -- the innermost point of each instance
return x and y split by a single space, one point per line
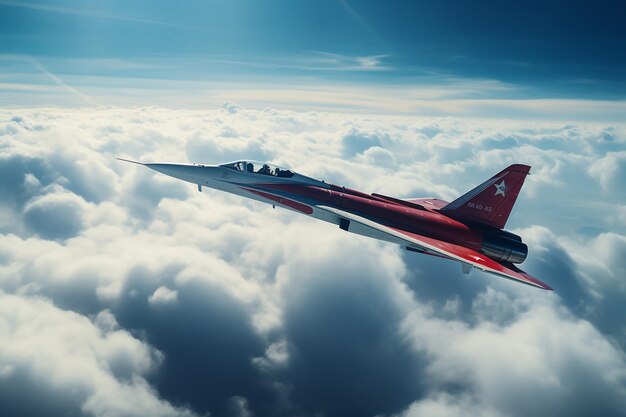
271 307
55 215
100 372
446 405
610 171
530 365
231 107
162 296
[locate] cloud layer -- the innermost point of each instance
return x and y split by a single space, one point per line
123 292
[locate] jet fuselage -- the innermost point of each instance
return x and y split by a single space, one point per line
467 230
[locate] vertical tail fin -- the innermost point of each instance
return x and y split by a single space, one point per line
491 202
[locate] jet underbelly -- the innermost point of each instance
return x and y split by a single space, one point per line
328 214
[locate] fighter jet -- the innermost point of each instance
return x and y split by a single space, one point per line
468 230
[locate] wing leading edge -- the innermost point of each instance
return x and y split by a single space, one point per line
445 249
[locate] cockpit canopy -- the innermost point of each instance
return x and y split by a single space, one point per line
262 168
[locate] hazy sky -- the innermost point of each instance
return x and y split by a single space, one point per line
144 52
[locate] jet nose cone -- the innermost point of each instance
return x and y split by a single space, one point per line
171 169
193 173
196 174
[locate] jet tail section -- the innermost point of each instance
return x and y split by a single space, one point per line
492 201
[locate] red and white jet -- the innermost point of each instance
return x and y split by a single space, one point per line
468 230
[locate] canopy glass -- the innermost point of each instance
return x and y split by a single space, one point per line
261 168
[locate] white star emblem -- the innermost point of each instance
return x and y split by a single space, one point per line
500 188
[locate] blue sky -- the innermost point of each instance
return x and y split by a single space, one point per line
144 52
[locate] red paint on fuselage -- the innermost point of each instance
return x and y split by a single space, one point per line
303 208
423 221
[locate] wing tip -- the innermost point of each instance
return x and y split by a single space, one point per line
528 279
542 285
521 277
